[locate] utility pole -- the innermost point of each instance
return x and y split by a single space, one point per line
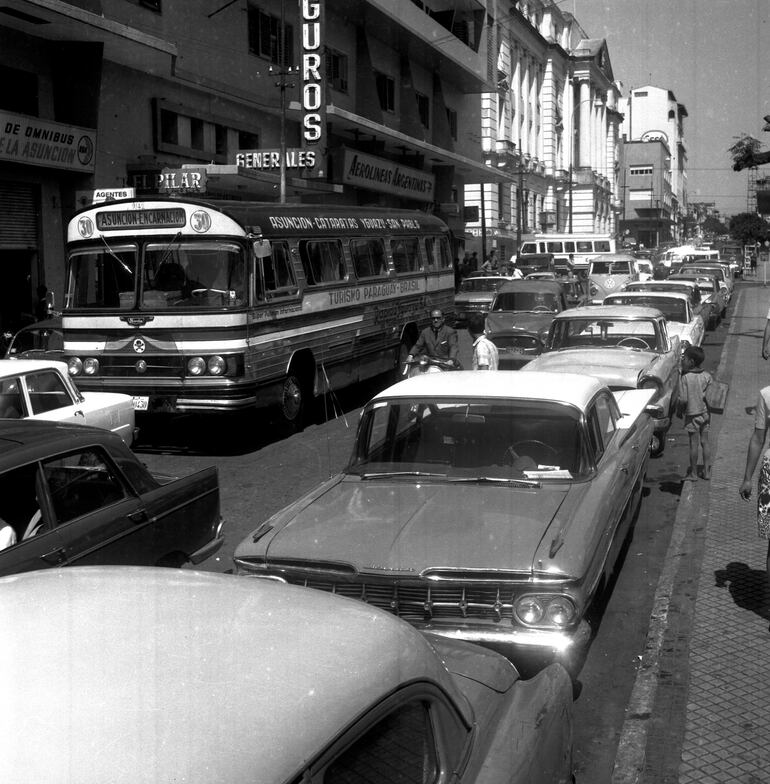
283 71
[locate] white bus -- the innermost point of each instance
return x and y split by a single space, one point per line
200 306
575 248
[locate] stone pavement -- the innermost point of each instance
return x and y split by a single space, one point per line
700 710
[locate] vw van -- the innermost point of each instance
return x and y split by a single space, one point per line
608 274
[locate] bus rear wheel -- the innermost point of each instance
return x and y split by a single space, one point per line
294 401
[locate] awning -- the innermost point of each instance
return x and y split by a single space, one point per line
397 143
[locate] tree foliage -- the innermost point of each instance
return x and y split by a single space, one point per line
748 227
712 225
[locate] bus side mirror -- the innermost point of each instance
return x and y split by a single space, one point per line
262 248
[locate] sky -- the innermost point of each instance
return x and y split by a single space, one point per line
714 55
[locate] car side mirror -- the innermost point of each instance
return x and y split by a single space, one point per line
262 248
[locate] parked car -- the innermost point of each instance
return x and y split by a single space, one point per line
475 296
41 340
519 318
43 389
609 273
626 348
720 269
489 507
683 286
79 495
713 296
681 320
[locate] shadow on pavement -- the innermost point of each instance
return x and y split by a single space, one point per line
748 587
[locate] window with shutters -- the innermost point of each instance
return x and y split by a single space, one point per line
337 70
265 37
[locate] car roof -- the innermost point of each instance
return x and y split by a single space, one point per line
51 323
683 295
573 389
186 674
22 439
608 311
14 367
614 257
531 284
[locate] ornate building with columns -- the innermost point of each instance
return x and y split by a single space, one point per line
551 129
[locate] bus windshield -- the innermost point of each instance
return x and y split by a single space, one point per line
173 274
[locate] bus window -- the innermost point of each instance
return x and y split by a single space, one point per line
103 278
369 258
569 247
585 246
554 247
445 255
277 272
322 261
406 254
601 246
210 274
529 247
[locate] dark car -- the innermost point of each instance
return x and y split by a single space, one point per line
535 262
75 494
519 319
41 340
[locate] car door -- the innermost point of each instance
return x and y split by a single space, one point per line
50 398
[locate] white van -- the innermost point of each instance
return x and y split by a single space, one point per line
577 249
608 274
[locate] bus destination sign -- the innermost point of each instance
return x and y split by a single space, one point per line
113 220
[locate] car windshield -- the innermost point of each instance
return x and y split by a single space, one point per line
605 332
610 268
673 308
480 284
497 440
526 302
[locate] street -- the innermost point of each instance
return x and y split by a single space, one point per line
261 470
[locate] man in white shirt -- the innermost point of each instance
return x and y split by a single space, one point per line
7 535
485 355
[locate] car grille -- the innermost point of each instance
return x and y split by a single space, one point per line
425 602
527 343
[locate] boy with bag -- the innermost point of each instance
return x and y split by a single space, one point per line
692 404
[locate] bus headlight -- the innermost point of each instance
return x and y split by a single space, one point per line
74 366
216 365
91 366
196 366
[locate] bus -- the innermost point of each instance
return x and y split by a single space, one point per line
196 306
576 249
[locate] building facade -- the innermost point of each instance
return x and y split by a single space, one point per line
654 167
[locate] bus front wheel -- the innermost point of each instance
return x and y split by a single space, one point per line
294 401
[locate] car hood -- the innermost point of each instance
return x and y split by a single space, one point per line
408 527
501 321
616 367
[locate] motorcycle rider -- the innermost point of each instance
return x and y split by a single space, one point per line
438 341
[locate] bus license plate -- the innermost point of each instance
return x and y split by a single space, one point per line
140 403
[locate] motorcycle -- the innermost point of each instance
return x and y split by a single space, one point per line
425 364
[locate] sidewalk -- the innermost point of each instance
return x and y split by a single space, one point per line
700 710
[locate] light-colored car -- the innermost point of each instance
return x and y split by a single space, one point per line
681 320
489 507
720 269
43 389
626 347
475 296
609 273
712 295
161 675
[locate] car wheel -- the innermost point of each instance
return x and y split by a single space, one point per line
658 443
295 399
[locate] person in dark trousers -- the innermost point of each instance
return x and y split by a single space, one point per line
692 402
437 341
42 310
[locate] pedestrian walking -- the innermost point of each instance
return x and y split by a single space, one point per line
756 444
490 264
474 261
485 356
692 403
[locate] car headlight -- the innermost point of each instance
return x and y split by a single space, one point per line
196 366
91 366
593 291
74 366
651 383
552 611
216 365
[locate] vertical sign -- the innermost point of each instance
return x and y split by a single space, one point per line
314 80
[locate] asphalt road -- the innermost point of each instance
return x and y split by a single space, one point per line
261 470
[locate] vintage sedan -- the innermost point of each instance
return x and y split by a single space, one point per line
41 340
156 675
626 347
43 389
681 320
712 295
519 318
718 268
488 507
78 495
475 296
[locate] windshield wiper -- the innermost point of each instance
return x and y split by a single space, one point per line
496 480
167 249
381 474
116 257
